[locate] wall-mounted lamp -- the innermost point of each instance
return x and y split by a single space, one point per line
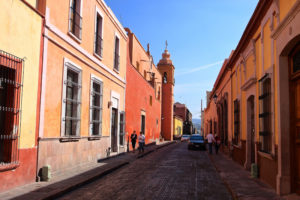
109 104
215 97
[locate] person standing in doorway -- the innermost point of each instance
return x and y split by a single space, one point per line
133 138
210 139
218 143
141 142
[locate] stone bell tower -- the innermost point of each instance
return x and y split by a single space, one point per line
166 68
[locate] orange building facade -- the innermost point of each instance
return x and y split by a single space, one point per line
143 92
83 89
261 80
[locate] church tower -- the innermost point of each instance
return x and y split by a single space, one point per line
166 68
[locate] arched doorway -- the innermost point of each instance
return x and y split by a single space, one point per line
294 77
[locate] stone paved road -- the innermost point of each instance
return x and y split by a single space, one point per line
170 173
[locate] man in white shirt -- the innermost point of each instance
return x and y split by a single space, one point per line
210 139
141 142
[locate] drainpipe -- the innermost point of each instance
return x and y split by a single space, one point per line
39 96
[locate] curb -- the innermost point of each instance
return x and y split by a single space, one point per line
49 193
110 157
81 183
227 185
155 149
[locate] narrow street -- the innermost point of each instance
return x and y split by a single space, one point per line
173 172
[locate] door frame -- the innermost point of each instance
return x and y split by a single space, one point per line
249 149
114 96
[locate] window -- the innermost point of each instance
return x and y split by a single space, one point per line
96 107
11 69
122 128
117 54
150 100
98 35
145 74
71 100
265 135
296 61
179 131
75 21
236 138
143 124
137 66
165 77
158 95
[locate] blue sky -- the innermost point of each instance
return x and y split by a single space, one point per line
200 34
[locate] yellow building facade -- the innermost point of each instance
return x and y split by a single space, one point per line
20 66
83 89
178 127
264 95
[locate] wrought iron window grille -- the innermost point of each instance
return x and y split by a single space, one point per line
11 86
75 22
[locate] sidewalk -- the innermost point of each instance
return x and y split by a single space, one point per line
77 177
239 181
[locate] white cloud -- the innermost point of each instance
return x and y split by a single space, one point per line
190 71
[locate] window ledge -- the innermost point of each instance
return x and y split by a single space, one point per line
9 166
74 37
91 138
69 139
97 56
266 155
117 71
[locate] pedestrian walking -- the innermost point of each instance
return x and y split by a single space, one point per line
141 142
133 138
210 139
218 143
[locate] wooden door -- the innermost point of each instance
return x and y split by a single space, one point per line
295 116
114 130
296 131
252 130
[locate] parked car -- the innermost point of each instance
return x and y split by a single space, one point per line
196 142
185 137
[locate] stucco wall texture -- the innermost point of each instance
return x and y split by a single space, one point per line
138 92
61 46
260 53
22 38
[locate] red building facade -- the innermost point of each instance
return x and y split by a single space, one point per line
143 92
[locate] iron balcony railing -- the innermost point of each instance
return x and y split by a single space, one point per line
75 23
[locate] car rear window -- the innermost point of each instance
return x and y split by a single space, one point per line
197 138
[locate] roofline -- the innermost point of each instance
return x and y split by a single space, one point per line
250 29
114 18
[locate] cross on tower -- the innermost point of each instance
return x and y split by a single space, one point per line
166 44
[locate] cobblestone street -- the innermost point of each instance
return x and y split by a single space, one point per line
171 173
